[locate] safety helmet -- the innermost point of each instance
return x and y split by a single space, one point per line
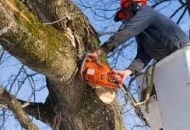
124 4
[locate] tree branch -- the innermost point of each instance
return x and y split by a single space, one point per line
46 112
16 108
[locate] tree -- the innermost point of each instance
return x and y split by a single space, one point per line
54 50
51 37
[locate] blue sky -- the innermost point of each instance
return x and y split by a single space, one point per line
11 66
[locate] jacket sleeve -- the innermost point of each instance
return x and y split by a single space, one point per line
140 21
141 60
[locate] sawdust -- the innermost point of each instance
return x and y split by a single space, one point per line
107 95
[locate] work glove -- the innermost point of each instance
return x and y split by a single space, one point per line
95 55
121 73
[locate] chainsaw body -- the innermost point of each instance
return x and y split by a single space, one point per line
99 74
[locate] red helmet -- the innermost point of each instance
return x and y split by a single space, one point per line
126 3
120 15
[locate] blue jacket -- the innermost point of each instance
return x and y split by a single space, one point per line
157 36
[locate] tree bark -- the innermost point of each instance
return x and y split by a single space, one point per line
51 38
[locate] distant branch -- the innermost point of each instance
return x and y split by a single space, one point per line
182 15
181 2
159 2
177 10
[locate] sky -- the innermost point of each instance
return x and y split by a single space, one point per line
11 66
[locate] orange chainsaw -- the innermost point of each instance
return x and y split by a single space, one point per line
100 74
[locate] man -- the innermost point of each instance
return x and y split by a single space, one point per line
157 36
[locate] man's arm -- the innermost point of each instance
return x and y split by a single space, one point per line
140 21
141 60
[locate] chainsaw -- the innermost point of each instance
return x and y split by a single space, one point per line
97 73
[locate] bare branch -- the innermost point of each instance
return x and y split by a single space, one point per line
181 2
181 15
159 2
177 10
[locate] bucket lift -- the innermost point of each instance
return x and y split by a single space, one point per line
169 109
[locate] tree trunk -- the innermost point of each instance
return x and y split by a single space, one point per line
51 38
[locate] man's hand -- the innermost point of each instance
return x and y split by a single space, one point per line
92 56
95 55
121 73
